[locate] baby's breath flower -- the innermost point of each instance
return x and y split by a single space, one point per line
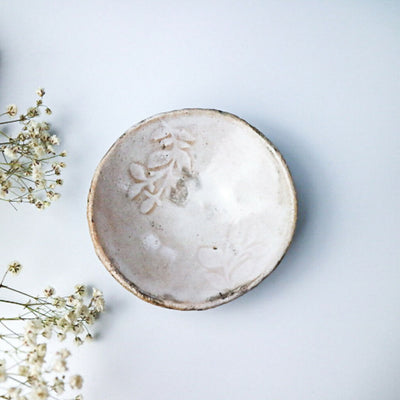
34 325
71 316
10 153
59 302
14 267
39 150
50 149
61 336
58 385
30 337
64 353
53 196
12 110
49 291
23 370
28 173
40 92
77 328
99 304
89 319
53 139
3 372
76 382
98 300
64 324
32 112
47 332
41 349
39 204
15 393
83 310
60 365
46 376
37 172
40 392
80 290
88 338
73 300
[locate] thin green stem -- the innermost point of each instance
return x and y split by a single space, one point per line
9 336
19 382
10 121
18 291
8 328
4 276
10 344
17 319
25 305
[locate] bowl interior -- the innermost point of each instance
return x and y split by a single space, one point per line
190 209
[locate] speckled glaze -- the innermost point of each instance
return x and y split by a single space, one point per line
191 208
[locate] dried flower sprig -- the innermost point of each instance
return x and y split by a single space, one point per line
30 167
27 371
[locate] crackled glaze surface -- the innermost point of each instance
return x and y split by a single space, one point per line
191 208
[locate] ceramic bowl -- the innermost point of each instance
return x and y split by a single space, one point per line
192 208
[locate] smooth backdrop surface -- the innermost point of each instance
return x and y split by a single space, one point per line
321 80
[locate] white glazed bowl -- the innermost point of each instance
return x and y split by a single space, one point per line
190 209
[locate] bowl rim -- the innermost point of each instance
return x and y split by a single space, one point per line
215 301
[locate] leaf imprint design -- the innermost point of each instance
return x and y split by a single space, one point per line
228 264
165 171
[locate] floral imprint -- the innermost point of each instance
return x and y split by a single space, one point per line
165 173
228 264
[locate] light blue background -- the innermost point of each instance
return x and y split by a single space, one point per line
322 80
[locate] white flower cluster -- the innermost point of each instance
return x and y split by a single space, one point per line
31 169
27 369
